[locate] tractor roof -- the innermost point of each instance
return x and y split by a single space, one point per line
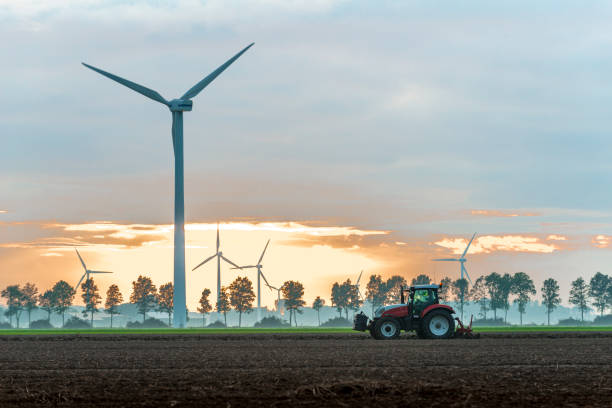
430 286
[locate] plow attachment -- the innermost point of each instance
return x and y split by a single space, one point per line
465 332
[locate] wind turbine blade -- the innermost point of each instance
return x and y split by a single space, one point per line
81 259
149 93
264 278
262 254
197 88
359 278
468 246
467 274
246 267
229 262
218 237
446 259
204 261
99 272
81 280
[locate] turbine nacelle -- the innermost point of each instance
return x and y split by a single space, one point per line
180 105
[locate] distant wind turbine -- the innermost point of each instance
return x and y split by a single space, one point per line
259 276
461 259
219 256
278 291
85 274
177 107
357 284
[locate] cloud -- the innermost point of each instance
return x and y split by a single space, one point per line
113 235
505 243
554 237
602 241
51 254
503 213
3 211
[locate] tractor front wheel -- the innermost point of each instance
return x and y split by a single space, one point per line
386 328
438 324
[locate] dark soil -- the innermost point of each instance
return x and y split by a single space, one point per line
314 370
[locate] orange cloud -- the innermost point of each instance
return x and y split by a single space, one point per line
503 213
505 243
554 237
3 211
602 241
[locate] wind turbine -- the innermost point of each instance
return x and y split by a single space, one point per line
278 291
85 274
177 107
461 260
357 284
259 276
219 256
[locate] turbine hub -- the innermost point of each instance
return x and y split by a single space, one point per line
181 105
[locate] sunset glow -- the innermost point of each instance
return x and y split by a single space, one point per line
506 243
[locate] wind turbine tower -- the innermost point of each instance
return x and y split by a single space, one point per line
259 276
177 107
461 260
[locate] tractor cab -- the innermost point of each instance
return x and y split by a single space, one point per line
421 311
420 297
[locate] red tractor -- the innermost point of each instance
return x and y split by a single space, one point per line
422 313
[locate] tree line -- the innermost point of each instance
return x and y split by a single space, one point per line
145 295
493 293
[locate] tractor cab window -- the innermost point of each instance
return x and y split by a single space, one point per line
423 297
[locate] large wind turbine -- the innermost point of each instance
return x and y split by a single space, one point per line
461 260
219 256
177 107
85 274
259 276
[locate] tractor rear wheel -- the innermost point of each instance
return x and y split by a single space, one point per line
386 328
438 324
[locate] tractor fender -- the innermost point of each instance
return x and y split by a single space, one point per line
435 307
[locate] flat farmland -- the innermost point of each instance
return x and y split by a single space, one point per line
305 369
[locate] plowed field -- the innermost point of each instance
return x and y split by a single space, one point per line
297 370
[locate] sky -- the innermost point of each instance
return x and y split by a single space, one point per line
354 135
